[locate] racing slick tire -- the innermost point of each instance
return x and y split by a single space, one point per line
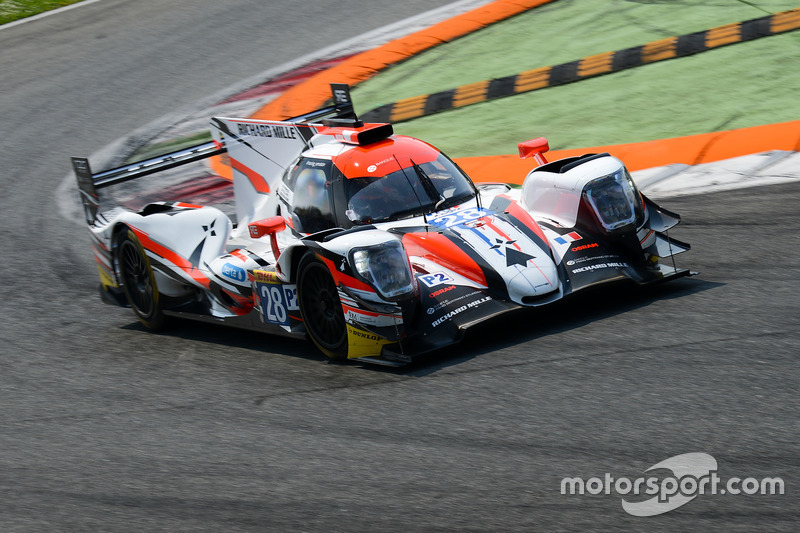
321 308
137 280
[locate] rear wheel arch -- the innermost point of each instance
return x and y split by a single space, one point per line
136 277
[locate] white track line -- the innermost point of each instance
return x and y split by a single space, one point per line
47 14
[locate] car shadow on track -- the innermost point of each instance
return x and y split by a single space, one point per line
572 313
190 330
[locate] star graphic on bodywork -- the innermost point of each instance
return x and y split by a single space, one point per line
513 255
211 227
194 258
501 242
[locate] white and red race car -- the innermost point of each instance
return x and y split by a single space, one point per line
376 246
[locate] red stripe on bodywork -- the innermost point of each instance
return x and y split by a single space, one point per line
255 178
439 249
243 304
344 279
516 211
104 266
172 257
493 227
238 254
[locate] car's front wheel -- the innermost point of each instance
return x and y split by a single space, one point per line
137 280
321 308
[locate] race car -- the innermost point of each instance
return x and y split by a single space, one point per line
375 246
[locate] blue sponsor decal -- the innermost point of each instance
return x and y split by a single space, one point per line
234 272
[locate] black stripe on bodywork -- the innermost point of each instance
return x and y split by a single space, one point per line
500 204
257 259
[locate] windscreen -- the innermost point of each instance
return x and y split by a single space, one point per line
412 191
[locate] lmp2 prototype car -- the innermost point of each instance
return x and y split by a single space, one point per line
376 246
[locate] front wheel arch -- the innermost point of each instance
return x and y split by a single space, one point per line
321 307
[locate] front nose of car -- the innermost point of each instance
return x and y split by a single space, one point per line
534 281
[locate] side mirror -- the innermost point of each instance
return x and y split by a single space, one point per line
534 148
269 226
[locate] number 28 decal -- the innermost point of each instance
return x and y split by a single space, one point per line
448 220
277 300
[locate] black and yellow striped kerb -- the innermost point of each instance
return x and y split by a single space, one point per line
588 67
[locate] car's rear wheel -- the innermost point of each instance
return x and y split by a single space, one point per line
137 280
321 308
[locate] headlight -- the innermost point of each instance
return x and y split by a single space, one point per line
613 199
385 267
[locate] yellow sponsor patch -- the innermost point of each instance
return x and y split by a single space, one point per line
363 343
105 278
266 276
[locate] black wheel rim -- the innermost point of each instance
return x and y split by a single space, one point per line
322 308
137 279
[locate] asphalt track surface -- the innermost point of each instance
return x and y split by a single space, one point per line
105 426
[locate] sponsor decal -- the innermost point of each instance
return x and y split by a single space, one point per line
234 272
449 315
286 194
568 238
266 276
362 343
267 130
365 335
435 278
599 266
355 316
340 95
439 292
584 247
374 167
591 258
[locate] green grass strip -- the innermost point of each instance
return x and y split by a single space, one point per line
13 10
588 67
749 84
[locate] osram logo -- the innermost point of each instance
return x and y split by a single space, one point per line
585 247
434 294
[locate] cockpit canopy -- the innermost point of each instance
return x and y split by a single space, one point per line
394 179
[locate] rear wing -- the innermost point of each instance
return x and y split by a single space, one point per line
90 183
